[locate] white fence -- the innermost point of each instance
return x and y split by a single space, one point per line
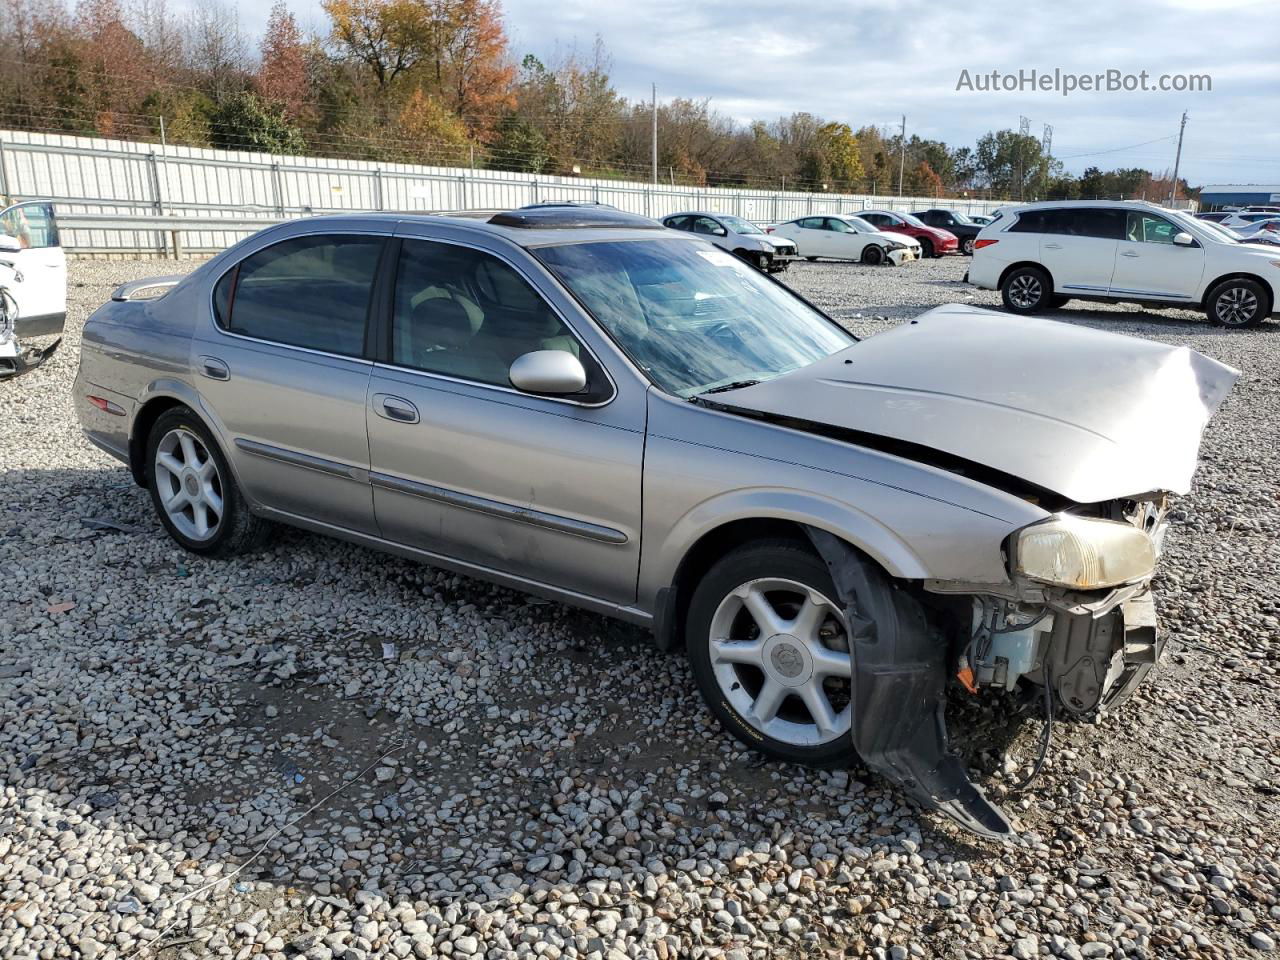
95 176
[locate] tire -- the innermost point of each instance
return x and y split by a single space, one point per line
1026 290
194 466
926 248
872 255
779 674
966 246
1237 303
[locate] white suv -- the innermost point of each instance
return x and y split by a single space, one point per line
1042 255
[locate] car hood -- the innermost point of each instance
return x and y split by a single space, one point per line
775 239
883 236
1089 415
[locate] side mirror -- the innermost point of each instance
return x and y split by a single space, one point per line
720 232
1184 239
548 371
9 244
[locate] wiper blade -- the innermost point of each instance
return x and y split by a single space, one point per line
725 387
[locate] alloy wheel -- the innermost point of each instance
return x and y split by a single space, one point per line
780 655
1236 307
190 487
1025 291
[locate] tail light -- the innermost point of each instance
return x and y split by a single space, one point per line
985 242
106 406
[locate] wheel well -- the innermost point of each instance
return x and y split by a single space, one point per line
702 556
142 425
1018 266
1271 292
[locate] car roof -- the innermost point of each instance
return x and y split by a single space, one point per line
701 213
1087 204
524 236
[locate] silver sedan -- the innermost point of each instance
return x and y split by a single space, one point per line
583 405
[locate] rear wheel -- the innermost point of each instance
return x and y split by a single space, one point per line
193 490
1239 302
926 248
1026 290
872 254
769 646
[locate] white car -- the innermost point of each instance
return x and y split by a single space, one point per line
840 237
1041 255
33 285
740 237
1243 218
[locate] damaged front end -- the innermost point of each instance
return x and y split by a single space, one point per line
1077 622
15 360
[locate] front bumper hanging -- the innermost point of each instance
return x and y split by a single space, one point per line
1097 656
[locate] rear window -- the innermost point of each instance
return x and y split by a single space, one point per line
308 292
1097 223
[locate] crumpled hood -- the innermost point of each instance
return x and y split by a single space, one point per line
1089 415
882 236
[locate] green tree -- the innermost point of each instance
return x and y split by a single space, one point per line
245 122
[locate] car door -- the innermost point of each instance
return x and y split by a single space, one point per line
816 240
282 370
843 241
41 265
713 230
1150 264
464 466
1078 246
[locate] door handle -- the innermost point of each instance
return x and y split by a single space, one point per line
1053 246
214 369
1130 253
394 408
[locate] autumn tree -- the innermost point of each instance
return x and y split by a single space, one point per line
282 75
427 132
387 36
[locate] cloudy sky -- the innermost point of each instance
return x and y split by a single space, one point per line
870 62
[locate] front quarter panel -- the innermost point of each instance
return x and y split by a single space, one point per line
704 468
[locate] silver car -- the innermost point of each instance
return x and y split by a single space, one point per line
591 408
742 238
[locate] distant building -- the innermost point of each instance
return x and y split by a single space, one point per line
1239 195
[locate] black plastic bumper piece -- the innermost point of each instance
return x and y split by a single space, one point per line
26 361
899 693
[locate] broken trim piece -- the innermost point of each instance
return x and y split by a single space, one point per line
899 692
26 361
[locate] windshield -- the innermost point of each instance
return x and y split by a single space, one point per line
960 218
859 224
738 225
911 219
694 318
1216 230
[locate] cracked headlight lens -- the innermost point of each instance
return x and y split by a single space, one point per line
1082 553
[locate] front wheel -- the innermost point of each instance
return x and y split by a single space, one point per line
193 491
1237 303
1026 290
872 255
769 646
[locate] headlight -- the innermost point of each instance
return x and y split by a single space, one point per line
894 245
1082 553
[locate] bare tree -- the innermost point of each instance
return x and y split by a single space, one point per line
217 50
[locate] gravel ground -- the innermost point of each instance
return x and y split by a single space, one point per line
518 778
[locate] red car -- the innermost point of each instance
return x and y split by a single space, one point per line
934 242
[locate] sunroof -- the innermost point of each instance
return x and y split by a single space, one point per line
571 215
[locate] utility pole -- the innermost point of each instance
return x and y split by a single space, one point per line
1177 160
1024 131
655 134
1046 154
902 154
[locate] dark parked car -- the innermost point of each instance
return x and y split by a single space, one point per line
965 228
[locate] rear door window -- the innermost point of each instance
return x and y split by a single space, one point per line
308 292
